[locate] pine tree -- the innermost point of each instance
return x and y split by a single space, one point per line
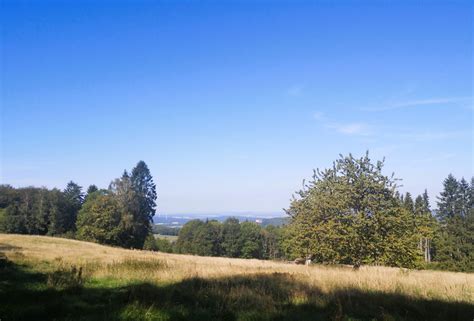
408 203
454 243
464 191
74 197
426 202
145 191
91 189
448 199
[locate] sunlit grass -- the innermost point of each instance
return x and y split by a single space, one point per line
169 286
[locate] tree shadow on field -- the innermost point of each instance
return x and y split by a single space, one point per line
26 295
8 247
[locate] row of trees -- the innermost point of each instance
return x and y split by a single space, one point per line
229 239
120 215
39 210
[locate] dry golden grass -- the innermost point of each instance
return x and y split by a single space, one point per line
104 261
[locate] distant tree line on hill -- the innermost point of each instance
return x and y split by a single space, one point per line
350 213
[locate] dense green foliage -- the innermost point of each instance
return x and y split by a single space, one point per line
122 216
454 242
100 219
119 216
349 214
36 211
229 239
353 214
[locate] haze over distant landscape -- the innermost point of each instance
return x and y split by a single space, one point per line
232 106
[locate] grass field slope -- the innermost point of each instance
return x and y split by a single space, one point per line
45 278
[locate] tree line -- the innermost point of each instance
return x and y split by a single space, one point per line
120 215
230 239
350 213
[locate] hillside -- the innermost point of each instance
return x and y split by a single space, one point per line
45 278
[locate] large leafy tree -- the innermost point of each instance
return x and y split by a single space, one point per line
99 219
350 214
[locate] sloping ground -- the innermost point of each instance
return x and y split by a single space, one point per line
45 278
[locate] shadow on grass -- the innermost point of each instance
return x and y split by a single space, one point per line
25 295
8 247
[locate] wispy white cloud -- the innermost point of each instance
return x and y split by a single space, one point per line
422 102
352 128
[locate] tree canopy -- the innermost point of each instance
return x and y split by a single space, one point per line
350 214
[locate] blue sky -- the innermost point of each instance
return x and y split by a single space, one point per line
233 104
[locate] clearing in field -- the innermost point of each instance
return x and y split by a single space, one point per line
45 278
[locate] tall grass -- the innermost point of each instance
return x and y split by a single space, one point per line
171 286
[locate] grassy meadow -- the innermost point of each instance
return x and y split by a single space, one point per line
45 278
